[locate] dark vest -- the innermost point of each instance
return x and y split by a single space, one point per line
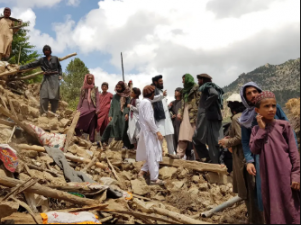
158 108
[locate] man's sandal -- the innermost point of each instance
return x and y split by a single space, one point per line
173 156
158 182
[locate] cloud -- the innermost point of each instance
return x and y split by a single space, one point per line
237 8
30 3
179 37
73 2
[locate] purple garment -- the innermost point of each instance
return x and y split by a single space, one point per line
88 117
279 167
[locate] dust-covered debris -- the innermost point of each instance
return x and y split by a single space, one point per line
191 187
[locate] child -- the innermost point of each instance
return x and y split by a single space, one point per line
89 107
274 141
105 99
134 128
118 115
150 143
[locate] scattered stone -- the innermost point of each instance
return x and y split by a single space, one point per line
140 187
214 178
167 172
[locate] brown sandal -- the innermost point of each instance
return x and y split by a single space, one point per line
158 182
173 156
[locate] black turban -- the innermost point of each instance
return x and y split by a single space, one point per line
157 78
179 89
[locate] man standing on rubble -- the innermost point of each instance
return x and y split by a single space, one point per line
50 87
162 114
6 33
209 121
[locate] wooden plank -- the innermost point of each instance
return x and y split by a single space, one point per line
193 165
48 192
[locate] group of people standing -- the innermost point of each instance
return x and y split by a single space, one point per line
266 161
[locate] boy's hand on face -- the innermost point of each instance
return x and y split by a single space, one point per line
251 169
296 186
260 121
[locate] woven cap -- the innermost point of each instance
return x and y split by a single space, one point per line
264 95
204 75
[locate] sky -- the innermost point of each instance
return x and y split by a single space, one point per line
223 38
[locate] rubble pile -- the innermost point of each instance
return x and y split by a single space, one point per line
293 106
116 195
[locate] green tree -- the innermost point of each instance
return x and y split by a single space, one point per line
73 79
21 42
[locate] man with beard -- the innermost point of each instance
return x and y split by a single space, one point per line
248 93
174 108
6 33
209 120
118 116
162 115
50 87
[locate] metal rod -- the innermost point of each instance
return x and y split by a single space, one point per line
122 66
221 207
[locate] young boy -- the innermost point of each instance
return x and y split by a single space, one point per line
150 142
105 99
273 140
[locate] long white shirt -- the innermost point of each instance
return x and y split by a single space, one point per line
134 127
149 144
165 126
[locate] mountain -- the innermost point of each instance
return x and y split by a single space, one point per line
283 80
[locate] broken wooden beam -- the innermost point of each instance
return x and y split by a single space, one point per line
193 165
71 130
177 217
48 192
68 156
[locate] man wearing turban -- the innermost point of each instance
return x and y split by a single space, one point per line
162 114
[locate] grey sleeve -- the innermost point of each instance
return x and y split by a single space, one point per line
34 64
213 96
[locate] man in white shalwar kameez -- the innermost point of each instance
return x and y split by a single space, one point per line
162 114
150 142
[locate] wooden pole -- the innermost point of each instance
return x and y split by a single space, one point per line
19 55
122 66
70 157
194 165
178 217
48 192
70 132
8 73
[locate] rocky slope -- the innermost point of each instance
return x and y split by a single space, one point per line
283 80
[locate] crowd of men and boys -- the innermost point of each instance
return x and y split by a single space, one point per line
259 141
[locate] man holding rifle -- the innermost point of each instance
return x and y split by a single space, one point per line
50 87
